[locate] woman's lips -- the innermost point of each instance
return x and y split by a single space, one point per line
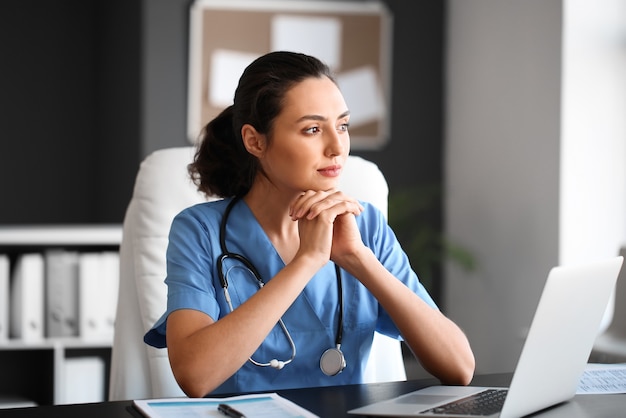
330 171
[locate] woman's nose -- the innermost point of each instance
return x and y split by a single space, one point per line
335 144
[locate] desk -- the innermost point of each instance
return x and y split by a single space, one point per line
333 402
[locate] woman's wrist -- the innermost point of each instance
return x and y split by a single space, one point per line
356 263
308 261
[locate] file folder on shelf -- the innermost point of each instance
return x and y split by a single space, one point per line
61 293
4 297
97 295
27 298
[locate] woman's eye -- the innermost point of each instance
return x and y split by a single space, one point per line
312 130
344 127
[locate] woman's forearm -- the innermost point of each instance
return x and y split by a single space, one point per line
203 353
437 342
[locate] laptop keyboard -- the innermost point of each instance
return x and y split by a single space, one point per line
487 402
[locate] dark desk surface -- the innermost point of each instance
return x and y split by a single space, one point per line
333 402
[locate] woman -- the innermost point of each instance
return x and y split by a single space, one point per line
332 270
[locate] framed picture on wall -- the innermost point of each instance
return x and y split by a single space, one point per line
353 38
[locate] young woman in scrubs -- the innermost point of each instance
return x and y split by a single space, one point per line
332 269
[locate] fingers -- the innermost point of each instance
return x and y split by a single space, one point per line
312 203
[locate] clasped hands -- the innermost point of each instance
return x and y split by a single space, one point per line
327 224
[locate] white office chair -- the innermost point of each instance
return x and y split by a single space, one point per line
610 346
162 189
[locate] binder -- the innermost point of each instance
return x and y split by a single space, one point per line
110 269
98 287
27 298
61 310
83 380
4 297
90 315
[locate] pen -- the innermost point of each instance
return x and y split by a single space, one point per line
229 411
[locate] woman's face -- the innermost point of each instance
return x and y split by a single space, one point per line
310 140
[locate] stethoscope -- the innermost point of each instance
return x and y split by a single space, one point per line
332 361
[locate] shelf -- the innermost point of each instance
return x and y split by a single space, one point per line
62 366
51 343
61 235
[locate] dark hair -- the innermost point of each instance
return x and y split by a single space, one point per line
222 166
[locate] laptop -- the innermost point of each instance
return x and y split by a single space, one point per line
553 359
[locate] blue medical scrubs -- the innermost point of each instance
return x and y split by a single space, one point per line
312 320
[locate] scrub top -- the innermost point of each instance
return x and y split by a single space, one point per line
312 320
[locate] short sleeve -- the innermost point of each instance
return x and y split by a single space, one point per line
190 269
380 238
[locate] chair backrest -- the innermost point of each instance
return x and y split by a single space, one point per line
162 189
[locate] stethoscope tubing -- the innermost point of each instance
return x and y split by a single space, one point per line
278 364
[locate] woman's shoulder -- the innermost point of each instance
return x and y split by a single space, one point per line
209 209
208 215
372 223
197 223
371 213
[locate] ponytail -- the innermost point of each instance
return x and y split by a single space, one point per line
222 166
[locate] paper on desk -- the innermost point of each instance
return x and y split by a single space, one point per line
270 405
603 379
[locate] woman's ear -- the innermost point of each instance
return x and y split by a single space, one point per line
253 141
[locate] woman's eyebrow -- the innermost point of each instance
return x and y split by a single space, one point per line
312 117
344 114
321 118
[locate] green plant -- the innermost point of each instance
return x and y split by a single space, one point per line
413 213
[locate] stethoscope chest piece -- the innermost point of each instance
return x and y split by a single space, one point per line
332 362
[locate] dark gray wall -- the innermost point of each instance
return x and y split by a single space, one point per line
69 105
165 31
47 119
